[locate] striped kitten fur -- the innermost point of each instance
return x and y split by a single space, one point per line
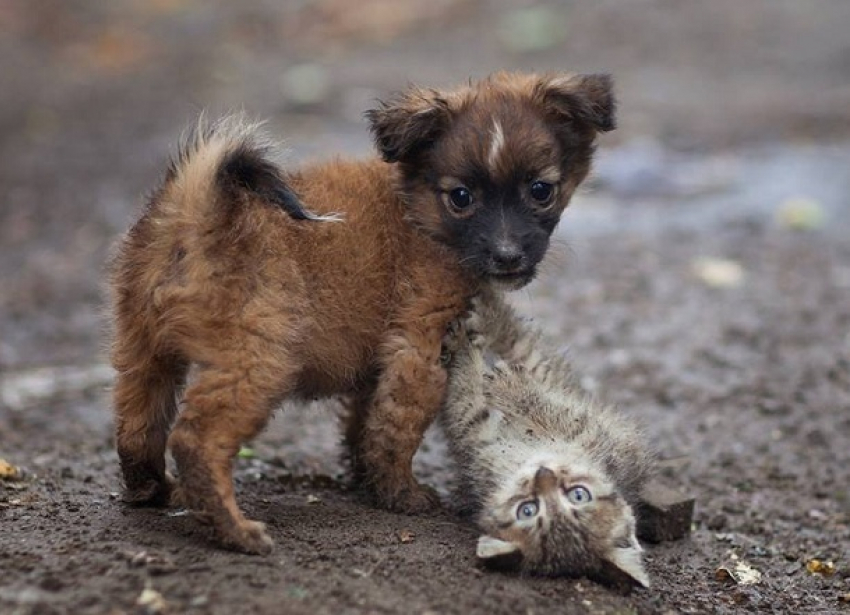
550 476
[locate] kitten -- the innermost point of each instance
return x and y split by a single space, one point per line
550 476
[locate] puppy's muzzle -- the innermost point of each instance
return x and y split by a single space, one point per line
507 260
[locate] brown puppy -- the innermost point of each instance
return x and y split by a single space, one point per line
239 268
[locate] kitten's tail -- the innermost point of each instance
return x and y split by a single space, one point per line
221 161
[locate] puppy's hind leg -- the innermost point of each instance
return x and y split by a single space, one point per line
225 406
145 404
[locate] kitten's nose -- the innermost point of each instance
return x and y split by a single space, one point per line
545 480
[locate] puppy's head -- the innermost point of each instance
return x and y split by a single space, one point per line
488 169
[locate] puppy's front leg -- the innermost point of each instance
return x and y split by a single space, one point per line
406 400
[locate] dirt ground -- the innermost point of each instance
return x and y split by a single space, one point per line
701 284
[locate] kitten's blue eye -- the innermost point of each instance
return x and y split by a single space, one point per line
579 495
527 510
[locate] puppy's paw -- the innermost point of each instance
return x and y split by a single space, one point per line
156 492
410 499
246 536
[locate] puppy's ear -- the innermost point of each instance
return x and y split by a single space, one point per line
584 99
406 125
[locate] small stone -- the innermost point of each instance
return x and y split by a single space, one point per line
663 514
139 559
151 602
312 499
718 272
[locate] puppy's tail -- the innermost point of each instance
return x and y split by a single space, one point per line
228 158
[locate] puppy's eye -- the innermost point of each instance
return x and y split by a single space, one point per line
579 495
527 510
460 198
541 191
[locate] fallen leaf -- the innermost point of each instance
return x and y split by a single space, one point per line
312 499
8 471
816 566
246 453
800 214
406 536
718 272
738 571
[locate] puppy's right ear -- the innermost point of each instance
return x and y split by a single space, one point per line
409 123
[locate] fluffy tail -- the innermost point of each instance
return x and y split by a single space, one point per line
232 156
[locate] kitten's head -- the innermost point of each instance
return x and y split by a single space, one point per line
488 168
557 520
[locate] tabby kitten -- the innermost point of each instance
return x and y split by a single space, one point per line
550 476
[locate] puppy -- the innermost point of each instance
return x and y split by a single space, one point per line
337 279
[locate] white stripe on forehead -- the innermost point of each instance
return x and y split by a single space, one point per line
496 145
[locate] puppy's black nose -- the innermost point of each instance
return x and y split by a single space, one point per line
507 256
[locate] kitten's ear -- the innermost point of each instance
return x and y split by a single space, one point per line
498 554
584 99
626 560
408 123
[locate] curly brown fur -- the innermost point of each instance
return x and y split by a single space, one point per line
335 279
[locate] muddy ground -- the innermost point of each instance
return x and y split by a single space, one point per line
701 284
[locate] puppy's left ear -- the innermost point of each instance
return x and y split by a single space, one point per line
583 99
406 125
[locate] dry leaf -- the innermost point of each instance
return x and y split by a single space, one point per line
246 453
406 536
738 571
8 471
816 566
800 214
